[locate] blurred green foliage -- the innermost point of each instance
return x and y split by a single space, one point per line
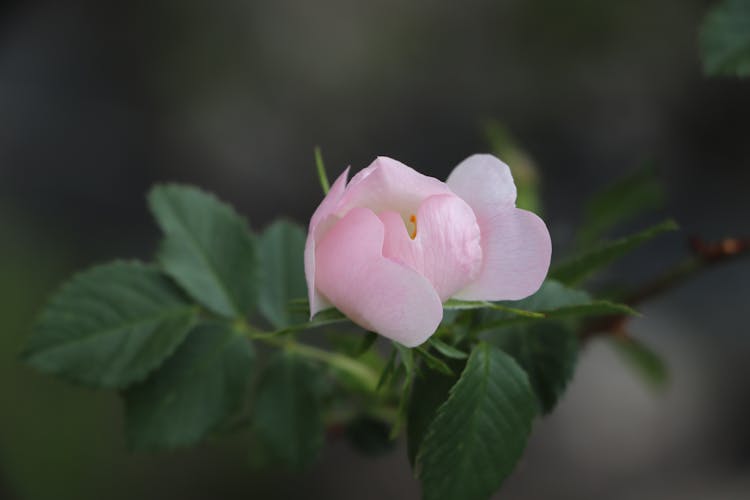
524 170
725 39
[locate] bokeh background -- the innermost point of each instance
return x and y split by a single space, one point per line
98 100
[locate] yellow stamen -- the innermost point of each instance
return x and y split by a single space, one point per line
413 220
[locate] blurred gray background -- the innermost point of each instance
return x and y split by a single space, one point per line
98 100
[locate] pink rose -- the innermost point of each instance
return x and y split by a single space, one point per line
391 246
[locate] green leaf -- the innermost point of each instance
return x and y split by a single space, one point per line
552 300
407 358
645 362
547 351
287 411
367 342
551 296
323 318
480 432
725 39
576 312
626 199
594 308
110 326
388 371
465 305
433 362
430 390
578 268
204 383
447 350
555 300
208 249
370 436
410 368
281 248
353 344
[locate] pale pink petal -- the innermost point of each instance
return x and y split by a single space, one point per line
516 246
316 300
516 251
331 200
375 292
321 214
483 181
388 184
446 245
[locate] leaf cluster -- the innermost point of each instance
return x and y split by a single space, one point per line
205 341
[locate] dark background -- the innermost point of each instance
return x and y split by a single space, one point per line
98 100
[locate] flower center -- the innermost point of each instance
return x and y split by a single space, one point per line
411 226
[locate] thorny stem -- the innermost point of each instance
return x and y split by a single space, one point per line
705 255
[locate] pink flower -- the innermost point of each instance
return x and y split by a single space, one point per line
391 246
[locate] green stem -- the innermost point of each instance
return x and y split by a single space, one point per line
340 362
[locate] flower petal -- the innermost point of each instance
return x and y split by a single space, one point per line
331 200
483 181
388 184
321 215
375 292
516 250
516 245
446 246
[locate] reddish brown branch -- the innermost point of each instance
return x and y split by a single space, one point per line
705 255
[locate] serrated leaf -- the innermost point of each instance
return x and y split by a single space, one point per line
725 39
553 300
287 411
207 249
643 360
594 308
577 312
198 388
547 351
281 248
430 390
110 326
578 268
627 198
480 432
